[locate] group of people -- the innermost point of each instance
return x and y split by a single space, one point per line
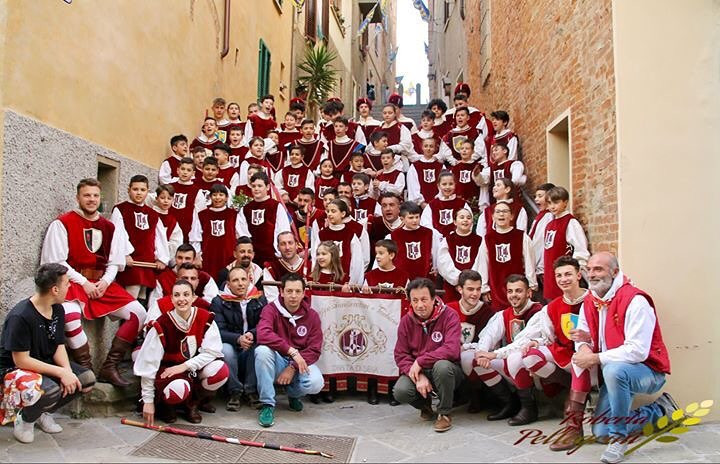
208 275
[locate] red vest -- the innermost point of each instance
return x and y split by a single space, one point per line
368 129
515 324
563 348
443 213
427 174
294 179
556 245
278 269
180 346
276 160
286 137
339 154
372 161
325 278
209 145
262 162
414 250
390 177
261 218
321 186
658 358
393 133
183 205
238 154
463 249
329 130
505 138
387 279
88 241
537 220
471 325
455 138
261 126
364 209
342 239
218 238
418 142
465 186
169 221
140 222
313 152
167 278
505 257
174 162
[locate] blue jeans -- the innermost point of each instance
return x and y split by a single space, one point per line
268 366
241 364
621 381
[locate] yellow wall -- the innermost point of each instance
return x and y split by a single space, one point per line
668 117
128 75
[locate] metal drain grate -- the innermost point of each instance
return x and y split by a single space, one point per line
179 448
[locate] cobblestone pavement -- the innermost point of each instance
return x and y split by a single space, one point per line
384 434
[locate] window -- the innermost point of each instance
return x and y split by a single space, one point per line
310 19
324 19
107 174
263 87
462 9
559 165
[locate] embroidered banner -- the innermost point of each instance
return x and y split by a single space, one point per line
359 333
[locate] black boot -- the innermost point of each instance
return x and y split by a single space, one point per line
528 408
508 400
372 397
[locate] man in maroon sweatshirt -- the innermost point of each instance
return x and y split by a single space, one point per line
289 338
427 353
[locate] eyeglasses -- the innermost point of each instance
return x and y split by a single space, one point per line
502 211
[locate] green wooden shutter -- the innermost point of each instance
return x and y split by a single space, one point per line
264 62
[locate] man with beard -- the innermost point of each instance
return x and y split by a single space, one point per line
206 287
244 254
381 226
288 262
237 312
630 352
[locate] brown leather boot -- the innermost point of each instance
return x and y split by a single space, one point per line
574 410
82 356
193 414
205 401
528 408
109 370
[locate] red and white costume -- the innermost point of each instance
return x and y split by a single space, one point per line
477 120
202 197
504 252
263 220
442 126
465 186
315 151
537 235
451 144
472 321
276 269
368 126
213 234
173 340
286 137
563 236
365 209
393 278
237 154
339 151
207 288
508 169
323 184
351 251
291 179
91 249
417 141
183 204
509 138
203 141
173 232
417 250
399 138
422 180
390 181
456 254
242 178
147 242
439 214
486 222
261 124
168 169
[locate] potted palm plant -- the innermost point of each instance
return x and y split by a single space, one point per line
318 77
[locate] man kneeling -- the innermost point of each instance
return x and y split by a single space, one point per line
38 377
289 337
427 353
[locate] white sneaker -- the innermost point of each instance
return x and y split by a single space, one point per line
23 431
614 453
47 424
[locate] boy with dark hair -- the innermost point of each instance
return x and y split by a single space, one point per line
364 207
297 107
218 112
225 168
168 168
289 133
184 197
147 238
238 146
458 252
452 142
478 120
314 148
499 167
500 120
357 166
441 125
205 183
440 211
386 274
563 236
263 121
422 177
537 230
206 287
427 130
295 176
263 219
198 155
208 136
333 111
465 186
340 147
33 358
421 244
367 123
389 178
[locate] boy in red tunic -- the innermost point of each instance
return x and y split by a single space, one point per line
218 112
295 176
441 125
184 195
474 314
367 123
263 120
478 120
465 186
314 147
563 236
500 166
325 182
147 238
440 212
185 254
364 207
378 144
214 232
458 252
238 147
418 245
427 130
500 120
357 166
225 168
263 219
333 110
502 191
341 146
180 359
389 178
162 203
452 142
537 232
205 183
289 133
162 305
399 136
505 250
385 275
208 137
168 168
423 175
491 362
87 244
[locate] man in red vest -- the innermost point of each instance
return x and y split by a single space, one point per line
618 330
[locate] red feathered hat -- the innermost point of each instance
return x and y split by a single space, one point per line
361 101
297 100
396 100
462 87
334 99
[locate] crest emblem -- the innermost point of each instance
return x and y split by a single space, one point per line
141 221
464 176
361 215
234 160
502 252
323 189
499 174
179 200
93 239
258 216
188 346
516 326
549 238
457 142
222 135
436 336
467 332
217 227
205 194
339 244
429 175
293 180
301 330
568 322
462 254
353 342
446 216
412 250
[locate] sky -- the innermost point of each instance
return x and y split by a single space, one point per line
411 59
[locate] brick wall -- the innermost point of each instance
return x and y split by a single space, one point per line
548 56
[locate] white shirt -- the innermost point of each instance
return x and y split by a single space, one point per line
426 218
538 242
575 236
491 336
638 328
161 243
512 144
165 174
446 265
528 262
445 154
